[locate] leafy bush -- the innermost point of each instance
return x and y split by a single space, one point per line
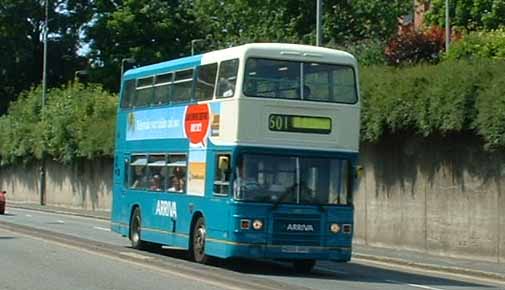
367 52
483 44
77 122
435 99
411 46
490 121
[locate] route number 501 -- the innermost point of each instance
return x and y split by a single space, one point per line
278 123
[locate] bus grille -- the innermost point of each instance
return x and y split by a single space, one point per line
296 230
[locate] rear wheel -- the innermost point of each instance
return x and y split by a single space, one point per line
197 247
136 231
304 266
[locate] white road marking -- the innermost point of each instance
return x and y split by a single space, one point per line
28 215
102 229
424 287
414 285
135 255
331 270
60 221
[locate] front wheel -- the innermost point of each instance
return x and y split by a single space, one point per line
136 232
197 247
304 266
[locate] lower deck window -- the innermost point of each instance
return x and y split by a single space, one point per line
158 172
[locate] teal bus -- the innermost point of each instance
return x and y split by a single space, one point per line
249 151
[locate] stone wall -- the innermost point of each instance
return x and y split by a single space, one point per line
83 185
441 196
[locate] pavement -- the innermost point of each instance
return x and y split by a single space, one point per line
397 257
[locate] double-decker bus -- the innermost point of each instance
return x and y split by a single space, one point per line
249 152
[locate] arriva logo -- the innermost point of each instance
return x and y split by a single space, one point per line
166 208
300 228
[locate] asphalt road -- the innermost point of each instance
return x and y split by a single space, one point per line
52 251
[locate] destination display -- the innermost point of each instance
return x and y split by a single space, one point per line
299 124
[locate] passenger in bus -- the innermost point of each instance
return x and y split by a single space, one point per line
226 88
306 92
155 182
176 184
140 180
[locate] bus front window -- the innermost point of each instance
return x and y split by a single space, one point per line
265 178
300 180
304 81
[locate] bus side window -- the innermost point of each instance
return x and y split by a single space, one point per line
145 91
227 78
183 86
222 174
205 82
163 88
138 174
156 172
128 94
177 169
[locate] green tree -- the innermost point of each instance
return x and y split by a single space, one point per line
148 30
469 14
21 48
355 20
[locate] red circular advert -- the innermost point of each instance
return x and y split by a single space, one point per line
196 123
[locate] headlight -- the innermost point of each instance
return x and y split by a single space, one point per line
334 228
257 225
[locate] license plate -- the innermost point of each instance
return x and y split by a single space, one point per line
295 249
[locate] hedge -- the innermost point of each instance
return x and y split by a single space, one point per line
480 44
450 97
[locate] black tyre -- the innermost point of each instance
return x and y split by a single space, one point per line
136 231
304 266
197 246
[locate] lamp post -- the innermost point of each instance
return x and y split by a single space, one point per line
319 8
79 73
447 27
123 62
193 44
43 103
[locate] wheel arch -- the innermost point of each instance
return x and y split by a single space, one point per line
132 210
195 217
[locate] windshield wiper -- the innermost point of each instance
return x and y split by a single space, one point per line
284 195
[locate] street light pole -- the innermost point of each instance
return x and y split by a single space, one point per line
123 62
447 27
318 22
44 85
193 44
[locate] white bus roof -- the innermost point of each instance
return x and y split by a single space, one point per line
284 51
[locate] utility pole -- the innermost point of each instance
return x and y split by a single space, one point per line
447 27
319 9
44 84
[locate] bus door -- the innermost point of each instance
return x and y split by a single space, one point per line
220 191
120 170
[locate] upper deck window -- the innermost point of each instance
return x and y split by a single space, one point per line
128 94
205 82
227 78
183 86
163 88
300 81
144 94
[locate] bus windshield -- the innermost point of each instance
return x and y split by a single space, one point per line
292 179
311 81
